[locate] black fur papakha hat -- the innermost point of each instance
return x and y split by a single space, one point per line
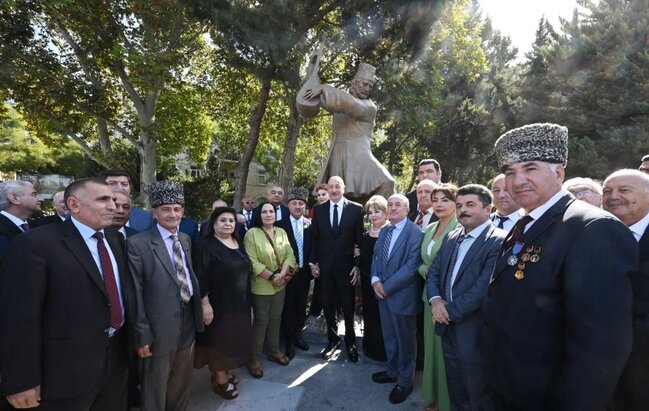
166 192
298 193
534 142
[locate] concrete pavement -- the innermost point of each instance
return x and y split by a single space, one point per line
308 383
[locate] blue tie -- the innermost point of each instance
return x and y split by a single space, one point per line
451 266
385 252
501 222
299 242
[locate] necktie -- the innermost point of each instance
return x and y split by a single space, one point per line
385 252
299 241
248 218
24 227
335 222
109 282
420 219
180 270
501 222
516 234
449 273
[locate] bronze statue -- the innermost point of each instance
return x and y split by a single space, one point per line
350 154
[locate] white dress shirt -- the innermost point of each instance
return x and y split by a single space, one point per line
510 219
540 210
340 205
640 227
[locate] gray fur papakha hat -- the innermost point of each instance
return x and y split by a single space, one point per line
534 142
298 193
166 192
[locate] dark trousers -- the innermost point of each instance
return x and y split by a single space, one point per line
465 377
111 395
166 379
316 298
337 289
294 313
632 392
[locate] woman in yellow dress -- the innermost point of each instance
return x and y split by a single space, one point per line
433 386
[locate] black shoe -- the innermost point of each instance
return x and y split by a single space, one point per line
330 349
289 351
399 394
301 344
352 353
383 377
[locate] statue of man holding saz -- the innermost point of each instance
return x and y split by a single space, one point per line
350 154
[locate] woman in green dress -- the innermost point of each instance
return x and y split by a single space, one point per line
433 386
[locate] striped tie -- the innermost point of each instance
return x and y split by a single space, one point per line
385 252
180 270
299 241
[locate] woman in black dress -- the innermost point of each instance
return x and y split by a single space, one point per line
376 209
223 270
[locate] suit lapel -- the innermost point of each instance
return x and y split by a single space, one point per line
474 250
644 245
76 244
9 225
160 250
400 242
539 227
452 239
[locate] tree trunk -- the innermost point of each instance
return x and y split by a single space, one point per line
256 115
287 166
104 139
149 146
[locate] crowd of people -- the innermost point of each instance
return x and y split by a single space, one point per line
530 294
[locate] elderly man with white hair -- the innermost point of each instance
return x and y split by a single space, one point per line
18 201
585 189
626 195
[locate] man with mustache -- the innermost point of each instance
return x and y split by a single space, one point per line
558 307
64 309
456 285
626 196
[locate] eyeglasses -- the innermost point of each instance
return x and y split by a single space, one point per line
582 193
248 202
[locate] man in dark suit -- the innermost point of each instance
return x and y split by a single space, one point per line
122 213
626 196
168 309
60 212
508 212
558 307
18 200
456 285
63 298
397 255
275 196
140 219
429 169
336 227
297 290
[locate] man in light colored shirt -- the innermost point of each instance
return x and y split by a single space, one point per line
507 210
297 290
456 286
562 274
626 196
168 310
396 257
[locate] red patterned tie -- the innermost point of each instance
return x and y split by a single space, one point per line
420 220
110 282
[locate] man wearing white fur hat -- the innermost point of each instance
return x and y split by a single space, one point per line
558 307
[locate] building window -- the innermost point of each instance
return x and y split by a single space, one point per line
261 178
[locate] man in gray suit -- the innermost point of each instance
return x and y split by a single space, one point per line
168 308
397 255
456 285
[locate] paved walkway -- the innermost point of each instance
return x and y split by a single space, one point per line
308 383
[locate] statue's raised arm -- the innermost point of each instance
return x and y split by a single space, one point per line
350 155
